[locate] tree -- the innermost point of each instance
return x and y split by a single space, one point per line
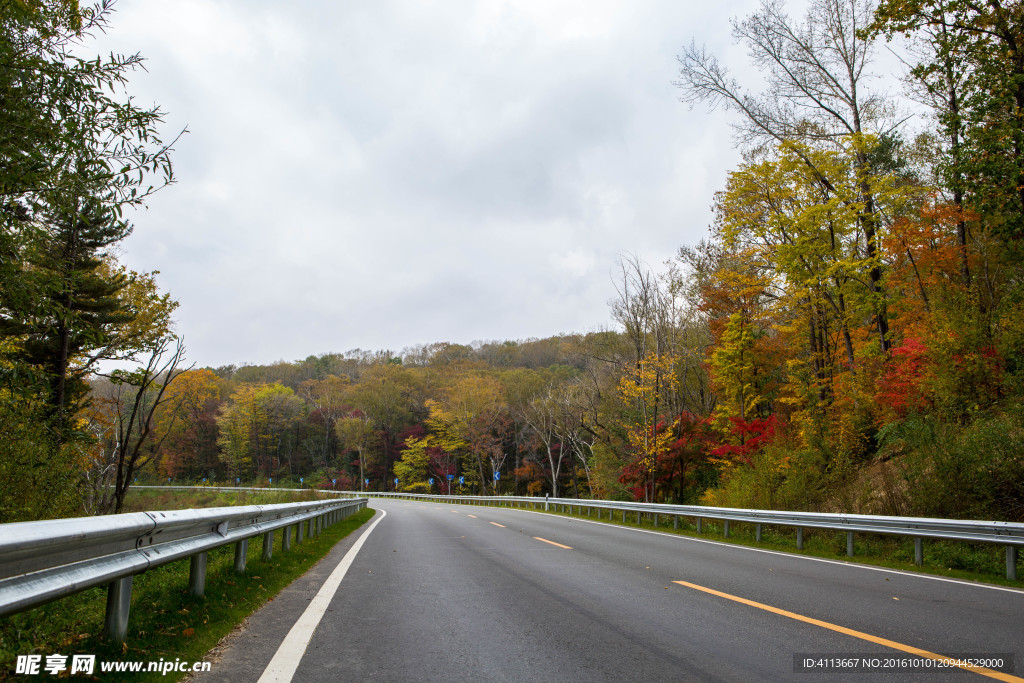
133 439
414 466
575 427
816 94
90 310
646 435
256 435
385 394
189 420
74 152
70 149
542 416
356 432
329 400
975 73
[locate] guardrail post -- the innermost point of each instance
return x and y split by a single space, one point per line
725 529
241 550
197 575
849 544
799 539
1011 563
119 602
655 520
918 551
286 539
298 532
757 533
675 522
700 523
268 545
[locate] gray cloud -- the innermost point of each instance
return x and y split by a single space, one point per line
394 173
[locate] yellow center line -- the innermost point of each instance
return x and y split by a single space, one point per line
553 543
501 525
473 516
856 634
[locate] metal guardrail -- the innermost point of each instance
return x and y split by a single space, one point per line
1009 534
48 560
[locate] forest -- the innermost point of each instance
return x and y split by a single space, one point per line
848 337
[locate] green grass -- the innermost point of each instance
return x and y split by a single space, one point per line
140 500
983 562
165 621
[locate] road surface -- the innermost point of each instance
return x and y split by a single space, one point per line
465 593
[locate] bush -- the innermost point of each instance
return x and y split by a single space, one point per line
976 472
37 479
777 479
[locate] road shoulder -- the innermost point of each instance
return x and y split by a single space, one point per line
243 654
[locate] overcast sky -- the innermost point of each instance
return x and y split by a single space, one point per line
390 173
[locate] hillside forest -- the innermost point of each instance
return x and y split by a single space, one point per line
848 337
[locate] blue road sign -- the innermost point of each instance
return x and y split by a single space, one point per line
366 481
462 480
431 480
497 476
396 481
334 481
450 477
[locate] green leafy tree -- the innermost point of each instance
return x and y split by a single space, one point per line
75 150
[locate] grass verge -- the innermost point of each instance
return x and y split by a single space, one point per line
141 499
165 622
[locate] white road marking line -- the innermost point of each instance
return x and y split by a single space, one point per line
286 660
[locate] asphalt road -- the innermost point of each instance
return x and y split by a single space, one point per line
462 593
